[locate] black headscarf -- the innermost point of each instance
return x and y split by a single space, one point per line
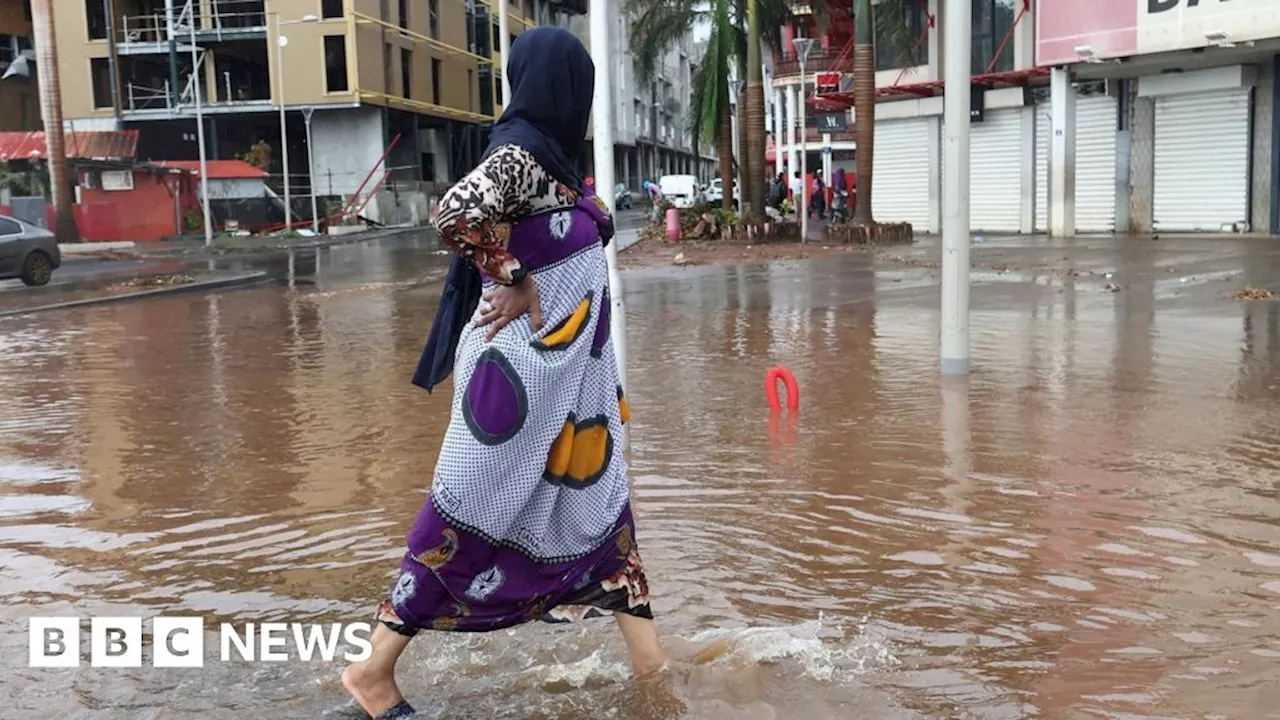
552 83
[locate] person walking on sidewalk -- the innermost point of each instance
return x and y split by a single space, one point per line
529 514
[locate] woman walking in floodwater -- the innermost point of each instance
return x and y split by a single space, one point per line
529 514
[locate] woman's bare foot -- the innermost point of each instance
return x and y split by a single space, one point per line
641 636
373 682
375 691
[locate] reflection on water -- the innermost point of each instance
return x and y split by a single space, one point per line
1085 527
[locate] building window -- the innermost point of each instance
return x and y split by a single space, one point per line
435 81
433 15
330 9
96 18
917 17
335 63
529 13
100 72
992 22
404 14
497 37
406 72
487 89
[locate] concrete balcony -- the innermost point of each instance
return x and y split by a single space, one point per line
788 64
813 137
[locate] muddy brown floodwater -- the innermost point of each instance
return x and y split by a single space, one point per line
1085 528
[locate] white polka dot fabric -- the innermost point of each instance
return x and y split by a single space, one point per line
498 490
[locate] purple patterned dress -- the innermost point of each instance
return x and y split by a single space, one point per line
529 515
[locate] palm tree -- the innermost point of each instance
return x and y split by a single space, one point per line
51 114
659 24
753 126
890 18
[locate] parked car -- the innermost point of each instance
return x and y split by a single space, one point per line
27 252
622 197
715 193
680 190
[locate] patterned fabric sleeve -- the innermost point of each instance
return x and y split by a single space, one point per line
472 215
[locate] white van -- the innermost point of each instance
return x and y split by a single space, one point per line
680 190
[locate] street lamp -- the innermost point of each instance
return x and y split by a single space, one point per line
281 42
204 155
735 87
802 46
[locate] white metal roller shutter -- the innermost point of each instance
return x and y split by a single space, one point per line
995 172
1201 173
1095 164
901 166
1044 129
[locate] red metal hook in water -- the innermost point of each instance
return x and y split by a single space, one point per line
771 379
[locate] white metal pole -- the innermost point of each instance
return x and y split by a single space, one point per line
602 117
204 157
281 41
504 48
311 172
804 162
737 152
955 191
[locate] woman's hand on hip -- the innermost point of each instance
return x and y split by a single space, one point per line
508 302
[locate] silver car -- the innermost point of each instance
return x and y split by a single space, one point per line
27 252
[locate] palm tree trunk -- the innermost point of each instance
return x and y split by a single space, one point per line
864 103
754 126
51 114
724 146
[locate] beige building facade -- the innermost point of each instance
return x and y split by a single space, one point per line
402 88
19 94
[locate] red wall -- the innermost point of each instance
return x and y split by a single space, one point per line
144 214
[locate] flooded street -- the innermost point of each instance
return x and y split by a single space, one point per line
1085 528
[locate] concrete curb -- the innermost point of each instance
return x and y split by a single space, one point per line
199 251
89 248
94 280
219 283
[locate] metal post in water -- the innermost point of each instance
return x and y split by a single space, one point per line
955 191
602 117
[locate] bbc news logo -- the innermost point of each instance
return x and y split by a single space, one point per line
179 642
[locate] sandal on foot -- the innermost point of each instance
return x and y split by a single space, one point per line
399 712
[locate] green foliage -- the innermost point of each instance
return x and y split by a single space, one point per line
658 25
259 155
890 16
22 180
194 220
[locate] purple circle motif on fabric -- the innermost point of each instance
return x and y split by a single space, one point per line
495 403
602 326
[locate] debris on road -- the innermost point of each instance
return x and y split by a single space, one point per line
1252 293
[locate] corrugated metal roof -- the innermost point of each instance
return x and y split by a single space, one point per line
218 169
82 145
